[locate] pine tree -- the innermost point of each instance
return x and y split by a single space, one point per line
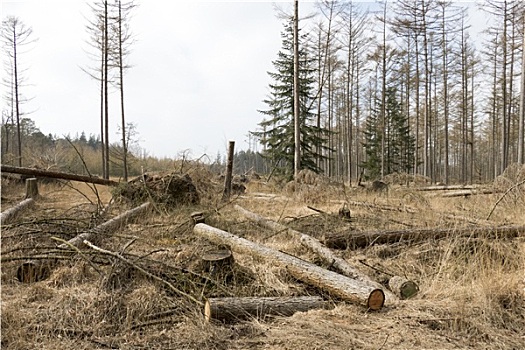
277 136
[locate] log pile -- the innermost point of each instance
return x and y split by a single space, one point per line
337 285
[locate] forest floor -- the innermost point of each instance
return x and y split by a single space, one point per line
471 288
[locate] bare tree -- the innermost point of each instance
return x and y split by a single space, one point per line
297 119
15 35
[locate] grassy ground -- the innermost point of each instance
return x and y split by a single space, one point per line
471 288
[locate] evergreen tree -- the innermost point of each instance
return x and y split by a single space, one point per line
399 144
277 136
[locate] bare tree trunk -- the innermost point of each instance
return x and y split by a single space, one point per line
106 95
521 127
229 172
297 110
57 175
121 74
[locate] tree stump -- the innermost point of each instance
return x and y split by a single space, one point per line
218 263
197 217
30 272
402 287
31 188
344 212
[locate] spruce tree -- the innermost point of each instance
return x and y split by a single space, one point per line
277 136
399 144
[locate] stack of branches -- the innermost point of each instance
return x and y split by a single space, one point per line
171 190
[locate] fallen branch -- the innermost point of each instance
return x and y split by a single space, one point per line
404 208
236 309
11 213
57 175
503 196
316 246
108 226
334 283
140 269
364 239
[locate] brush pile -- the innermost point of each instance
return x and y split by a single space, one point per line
171 189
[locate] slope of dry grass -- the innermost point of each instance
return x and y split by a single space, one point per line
471 288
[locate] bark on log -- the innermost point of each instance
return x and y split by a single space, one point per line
445 188
366 238
236 309
466 193
339 264
108 226
334 283
31 188
11 213
404 208
57 175
403 288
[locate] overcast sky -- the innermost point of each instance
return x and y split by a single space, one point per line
198 78
199 71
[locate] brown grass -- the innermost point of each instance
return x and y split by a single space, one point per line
472 289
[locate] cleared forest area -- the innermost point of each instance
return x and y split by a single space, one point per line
205 273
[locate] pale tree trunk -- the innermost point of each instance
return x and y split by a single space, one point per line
106 95
121 73
521 127
297 110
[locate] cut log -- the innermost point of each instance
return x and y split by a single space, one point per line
9 214
445 187
316 246
403 208
466 193
364 239
334 283
230 310
31 188
57 175
403 288
108 226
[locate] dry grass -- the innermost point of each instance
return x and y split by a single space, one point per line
472 289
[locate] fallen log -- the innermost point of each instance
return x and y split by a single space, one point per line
403 288
466 193
446 187
34 271
364 239
236 309
334 283
108 226
57 175
339 264
403 208
12 212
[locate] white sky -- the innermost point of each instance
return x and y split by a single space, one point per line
199 71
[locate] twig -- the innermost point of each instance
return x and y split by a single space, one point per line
120 257
63 241
503 196
362 261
